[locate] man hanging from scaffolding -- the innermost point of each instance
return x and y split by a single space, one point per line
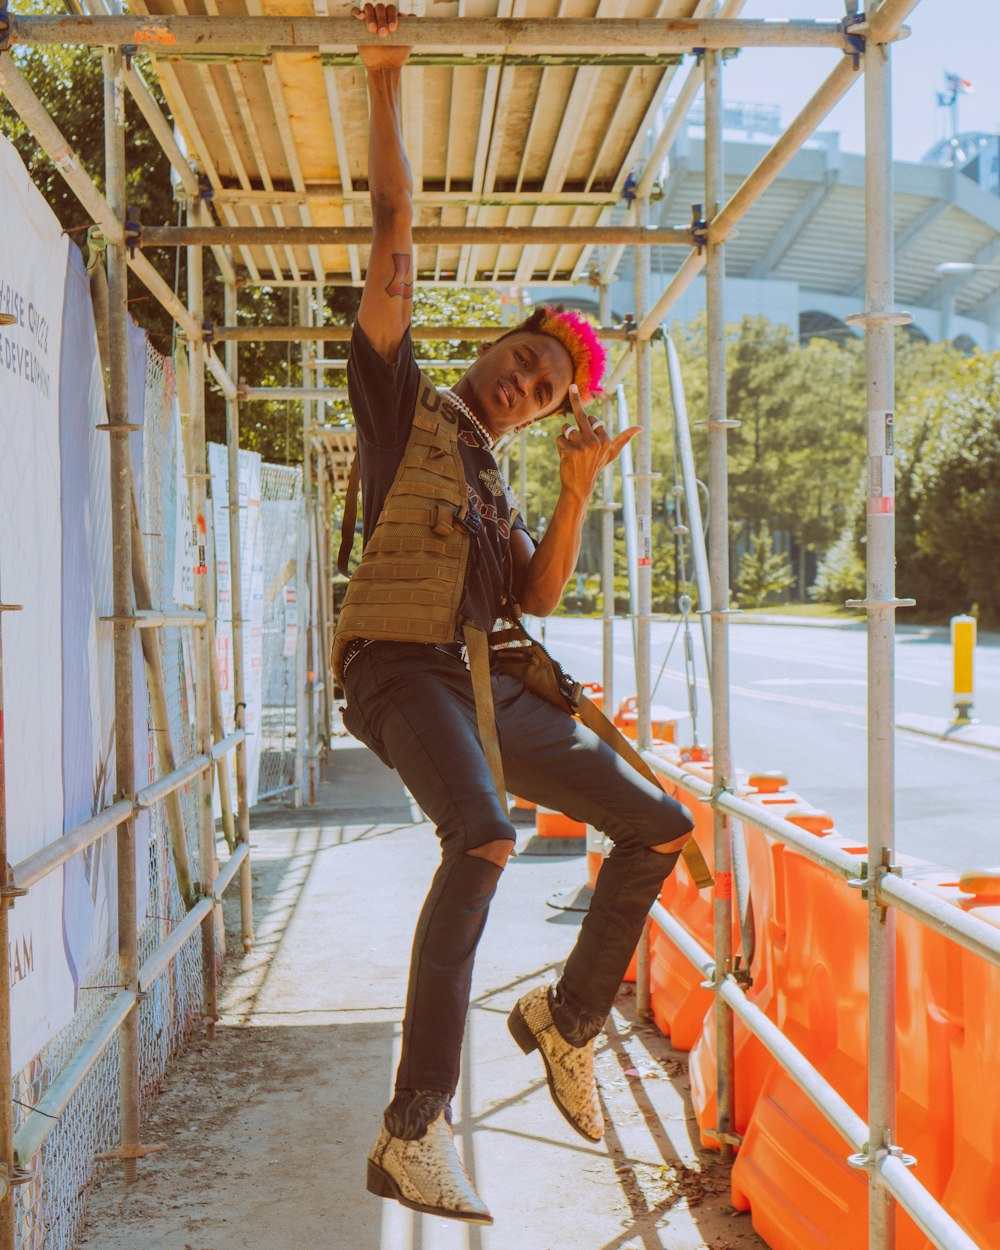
445 558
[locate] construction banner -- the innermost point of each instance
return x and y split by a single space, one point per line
55 564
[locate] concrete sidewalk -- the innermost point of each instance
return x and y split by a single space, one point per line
268 1127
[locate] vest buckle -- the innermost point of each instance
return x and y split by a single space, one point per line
444 521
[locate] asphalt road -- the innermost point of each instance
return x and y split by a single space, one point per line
798 697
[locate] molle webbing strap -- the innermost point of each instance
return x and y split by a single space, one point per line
595 719
350 516
478 649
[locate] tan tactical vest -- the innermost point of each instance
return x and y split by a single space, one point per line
408 585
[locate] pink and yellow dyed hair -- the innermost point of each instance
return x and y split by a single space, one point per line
579 338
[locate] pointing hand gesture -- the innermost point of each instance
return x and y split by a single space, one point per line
586 448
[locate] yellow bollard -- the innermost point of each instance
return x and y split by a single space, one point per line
963 646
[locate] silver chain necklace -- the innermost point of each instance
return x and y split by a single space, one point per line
467 412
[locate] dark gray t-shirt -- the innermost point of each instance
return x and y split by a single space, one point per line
382 398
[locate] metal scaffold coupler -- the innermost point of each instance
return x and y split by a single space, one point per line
208 332
699 228
133 231
9 891
867 1160
854 40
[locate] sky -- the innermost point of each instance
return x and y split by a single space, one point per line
960 36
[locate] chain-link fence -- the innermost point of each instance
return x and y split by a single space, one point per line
50 1207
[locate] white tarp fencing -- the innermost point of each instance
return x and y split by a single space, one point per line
251 607
55 562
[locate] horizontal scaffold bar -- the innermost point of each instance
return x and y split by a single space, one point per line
345 236
599 37
342 334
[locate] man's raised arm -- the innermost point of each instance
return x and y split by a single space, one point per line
387 301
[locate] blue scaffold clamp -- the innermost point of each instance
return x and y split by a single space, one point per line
133 231
4 27
629 189
854 42
699 228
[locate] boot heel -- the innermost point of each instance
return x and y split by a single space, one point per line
378 1183
520 1032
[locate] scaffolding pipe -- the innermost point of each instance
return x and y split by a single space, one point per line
643 498
692 500
442 236
202 653
304 605
158 705
880 603
189 771
644 563
236 602
43 1117
197 917
301 394
598 37
121 542
722 769
628 512
342 334
607 541
145 619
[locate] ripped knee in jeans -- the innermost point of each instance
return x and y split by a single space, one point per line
496 852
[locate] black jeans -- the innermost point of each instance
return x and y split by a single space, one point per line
413 705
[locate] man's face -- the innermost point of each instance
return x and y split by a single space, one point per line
518 379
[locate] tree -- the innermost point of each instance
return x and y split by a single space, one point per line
764 573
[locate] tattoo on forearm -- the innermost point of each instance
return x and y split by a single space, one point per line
401 285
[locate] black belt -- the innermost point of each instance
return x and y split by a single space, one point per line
354 648
456 650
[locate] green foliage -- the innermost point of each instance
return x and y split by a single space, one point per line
841 573
949 512
764 573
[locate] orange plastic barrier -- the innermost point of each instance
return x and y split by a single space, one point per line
678 1000
810 975
791 1169
523 805
972 1193
752 1062
551 824
663 720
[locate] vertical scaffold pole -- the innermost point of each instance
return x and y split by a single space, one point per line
307 610
121 545
236 598
607 538
202 641
718 426
643 491
881 606
644 561
303 696
6 1084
